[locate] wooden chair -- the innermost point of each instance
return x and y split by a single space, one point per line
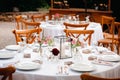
116 36
28 33
106 42
107 24
22 23
29 25
18 20
70 25
39 18
87 76
7 72
77 33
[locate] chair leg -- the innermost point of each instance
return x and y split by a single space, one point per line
112 48
118 49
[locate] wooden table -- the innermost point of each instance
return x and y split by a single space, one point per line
95 14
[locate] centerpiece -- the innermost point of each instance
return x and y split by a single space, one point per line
45 41
64 45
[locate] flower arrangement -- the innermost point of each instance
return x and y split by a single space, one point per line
55 51
74 42
45 40
56 16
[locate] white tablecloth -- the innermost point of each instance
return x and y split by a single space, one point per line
52 30
49 69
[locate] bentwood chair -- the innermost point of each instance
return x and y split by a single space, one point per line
116 35
72 25
87 76
30 34
40 17
7 72
108 21
29 25
22 23
77 33
19 24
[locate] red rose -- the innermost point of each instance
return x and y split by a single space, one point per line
55 51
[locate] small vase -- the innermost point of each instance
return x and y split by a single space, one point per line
55 59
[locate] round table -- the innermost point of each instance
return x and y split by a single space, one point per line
57 29
49 69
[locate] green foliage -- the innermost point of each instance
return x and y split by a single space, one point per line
23 5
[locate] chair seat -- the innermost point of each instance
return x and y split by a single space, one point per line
109 36
106 41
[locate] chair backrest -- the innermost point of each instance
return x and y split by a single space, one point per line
7 72
29 25
40 17
77 33
30 34
108 24
24 23
70 25
87 76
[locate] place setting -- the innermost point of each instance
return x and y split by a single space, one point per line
27 66
82 67
6 54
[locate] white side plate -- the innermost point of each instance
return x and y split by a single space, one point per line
13 47
27 66
6 54
82 67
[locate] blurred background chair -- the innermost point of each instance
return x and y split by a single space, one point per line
87 76
18 20
40 17
25 23
77 33
30 25
109 23
117 36
7 72
29 34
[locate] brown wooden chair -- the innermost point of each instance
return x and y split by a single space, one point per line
7 72
28 33
70 25
18 20
77 33
117 36
29 25
22 23
39 18
87 76
106 42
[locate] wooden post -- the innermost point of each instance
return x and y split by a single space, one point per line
51 3
109 4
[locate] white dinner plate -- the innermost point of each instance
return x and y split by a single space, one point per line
27 66
82 67
6 54
110 58
13 47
